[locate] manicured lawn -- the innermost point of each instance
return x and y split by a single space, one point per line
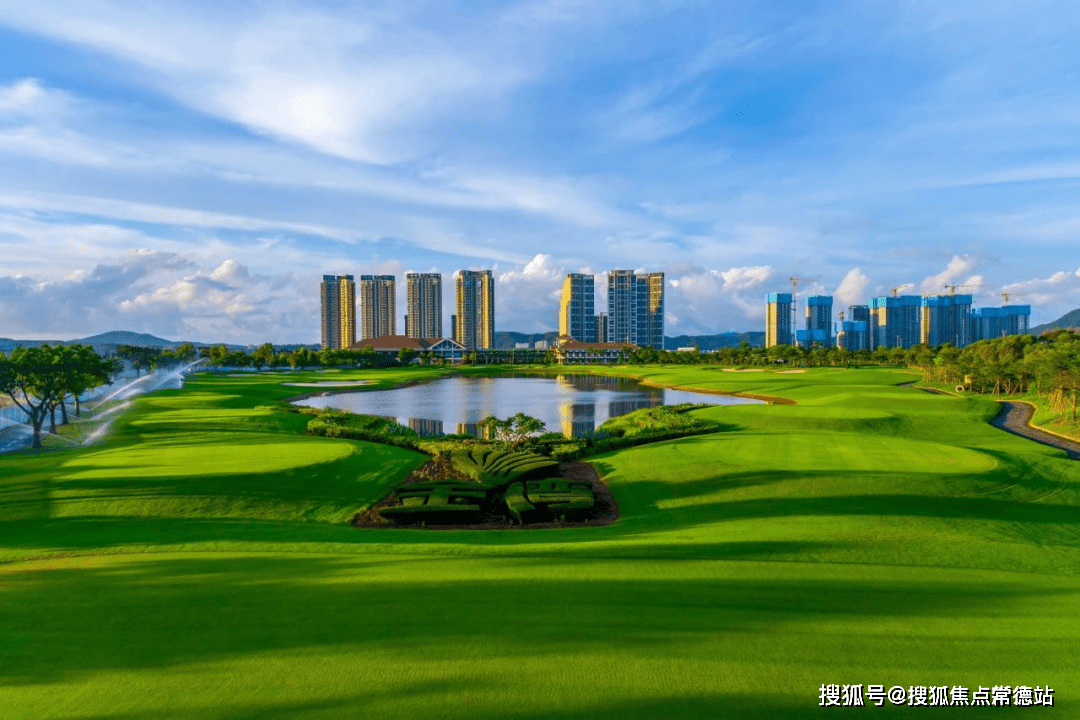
199 564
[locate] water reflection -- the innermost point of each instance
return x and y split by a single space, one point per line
578 419
425 428
571 404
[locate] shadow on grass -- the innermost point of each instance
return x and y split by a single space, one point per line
156 613
441 699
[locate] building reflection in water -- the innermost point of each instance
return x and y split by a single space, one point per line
592 383
577 419
468 428
426 428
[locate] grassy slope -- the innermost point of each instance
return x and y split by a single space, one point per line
868 534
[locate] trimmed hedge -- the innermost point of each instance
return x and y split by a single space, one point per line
557 494
496 466
448 502
516 503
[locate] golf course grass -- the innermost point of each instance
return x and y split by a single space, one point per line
199 563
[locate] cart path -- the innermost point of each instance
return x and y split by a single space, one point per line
1015 417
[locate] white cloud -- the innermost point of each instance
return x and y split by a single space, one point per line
744 278
958 265
527 300
29 98
852 289
357 86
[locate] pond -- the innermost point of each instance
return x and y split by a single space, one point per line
571 404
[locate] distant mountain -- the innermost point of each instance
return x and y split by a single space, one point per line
505 339
107 342
124 337
1068 320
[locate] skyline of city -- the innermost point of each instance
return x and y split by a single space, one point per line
902 321
636 299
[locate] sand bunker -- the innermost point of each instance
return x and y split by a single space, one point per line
331 383
787 372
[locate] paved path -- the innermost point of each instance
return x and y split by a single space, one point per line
1015 417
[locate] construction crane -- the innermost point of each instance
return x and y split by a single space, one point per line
795 302
898 288
1006 295
952 288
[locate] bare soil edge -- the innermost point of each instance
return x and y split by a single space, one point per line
1015 417
605 511
932 391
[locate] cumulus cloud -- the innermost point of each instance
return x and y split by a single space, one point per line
527 299
707 301
852 289
958 265
169 294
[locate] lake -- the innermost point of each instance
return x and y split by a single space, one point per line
571 404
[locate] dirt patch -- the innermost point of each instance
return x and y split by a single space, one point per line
604 511
932 391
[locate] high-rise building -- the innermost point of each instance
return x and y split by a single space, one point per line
577 310
377 306
601 327
635 309
861 313
338 295
818 323
852 335
895 321
475 317
650 310
778 311
945 319
987 323
622 307
424 303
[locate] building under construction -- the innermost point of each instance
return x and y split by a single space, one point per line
778 312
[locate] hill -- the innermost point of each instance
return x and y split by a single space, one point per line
506 339
1068 320
107 341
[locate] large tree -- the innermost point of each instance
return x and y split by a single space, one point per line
84 370
34 380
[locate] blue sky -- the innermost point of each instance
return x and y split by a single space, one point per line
191 171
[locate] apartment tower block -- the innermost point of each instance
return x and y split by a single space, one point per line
338 299
779 308
577 309
474 321
377 306
423 305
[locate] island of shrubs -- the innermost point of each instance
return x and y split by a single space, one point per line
511 474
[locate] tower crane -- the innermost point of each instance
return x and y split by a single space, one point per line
952 288
898 288
795 302
1006 295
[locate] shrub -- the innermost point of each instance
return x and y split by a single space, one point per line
446 502
559 495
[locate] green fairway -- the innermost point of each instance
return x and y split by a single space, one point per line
199 563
